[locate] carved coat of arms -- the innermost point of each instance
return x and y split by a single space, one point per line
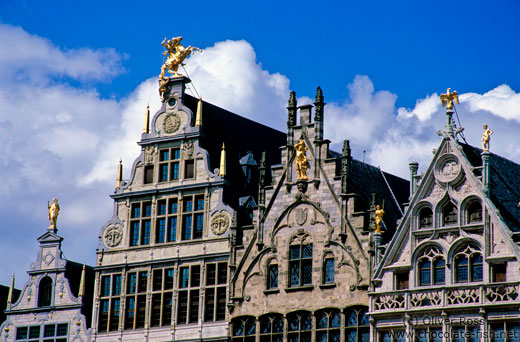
113 236
301 216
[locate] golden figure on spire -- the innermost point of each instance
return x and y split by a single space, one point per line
176 53
448 99
485 138
301 159
54 210
379 217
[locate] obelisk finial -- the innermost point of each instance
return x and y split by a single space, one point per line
222 169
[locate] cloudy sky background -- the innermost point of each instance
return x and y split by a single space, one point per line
62 132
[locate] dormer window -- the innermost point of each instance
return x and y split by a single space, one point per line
425 218
449 214
474 212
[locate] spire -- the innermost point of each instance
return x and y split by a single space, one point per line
291 120
11 290
447 100
222 170
82 284
146 128
198 117
119 177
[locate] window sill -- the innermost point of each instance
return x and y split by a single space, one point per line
271 291
300 288
327 286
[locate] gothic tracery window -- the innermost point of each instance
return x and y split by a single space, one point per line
328 324
299 327
468 264
357 326
243 329
431 266
271 328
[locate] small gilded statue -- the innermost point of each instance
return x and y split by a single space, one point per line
301 159
485 138
54 210
379 217
176 53
448 98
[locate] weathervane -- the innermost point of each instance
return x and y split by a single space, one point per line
448 99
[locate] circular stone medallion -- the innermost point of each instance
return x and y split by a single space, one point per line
113 235
220 223
171 123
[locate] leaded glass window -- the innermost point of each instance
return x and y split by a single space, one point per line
243 329
357 326
431 267
271 328
300 265
299 327
328 324
328 270
272 277
468 264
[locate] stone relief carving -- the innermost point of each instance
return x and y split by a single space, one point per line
220 223
171 123
113 235
188 150
300 215
149 155
450 169
437 192
464 189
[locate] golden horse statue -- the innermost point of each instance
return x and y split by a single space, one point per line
176 53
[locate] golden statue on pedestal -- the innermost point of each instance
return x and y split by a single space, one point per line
485 138
379 217
448 98
54 210
301 159
176 53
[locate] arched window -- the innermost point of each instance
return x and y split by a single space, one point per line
468 264
425 218
272 275
45 292
299 327
431 266
244 329
474 212
300 263
357 326
271 328
328 269
449 214
328 324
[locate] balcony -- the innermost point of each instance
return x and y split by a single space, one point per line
477 295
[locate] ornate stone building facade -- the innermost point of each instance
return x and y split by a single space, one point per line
451 271
162 271
301 271
55 304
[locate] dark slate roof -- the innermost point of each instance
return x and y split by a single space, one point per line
504 184
4 293
366 179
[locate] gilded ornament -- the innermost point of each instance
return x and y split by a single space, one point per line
54 210
301 159
220 223
485 138
448 98
113 236
378 214
176 53
171 123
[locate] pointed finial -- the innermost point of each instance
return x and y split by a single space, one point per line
319 95
448 98
292 99
82 284
198 117
146 128
222 169
11 290
119 177
346 148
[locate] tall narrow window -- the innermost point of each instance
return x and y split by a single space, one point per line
148 174
299 327
424 272
271 328
188 295
45 292
110 302
425 218
215 292
272 276
135 308
300 264
169 164
189 168
357 326
162 297
193 217
328 324
140 223
328 270
166 221
449 214
243 329
431 267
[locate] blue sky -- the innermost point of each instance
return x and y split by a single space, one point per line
75 79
